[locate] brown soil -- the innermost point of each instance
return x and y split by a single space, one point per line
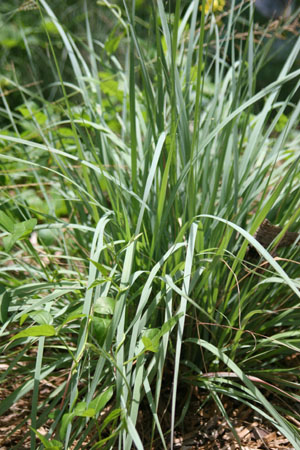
203 428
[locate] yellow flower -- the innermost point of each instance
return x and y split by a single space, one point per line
214 5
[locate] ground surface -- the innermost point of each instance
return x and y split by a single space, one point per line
203 428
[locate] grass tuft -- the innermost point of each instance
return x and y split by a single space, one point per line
133 184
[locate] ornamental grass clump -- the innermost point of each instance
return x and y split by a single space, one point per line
132 192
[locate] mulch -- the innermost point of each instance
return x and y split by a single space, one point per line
203 427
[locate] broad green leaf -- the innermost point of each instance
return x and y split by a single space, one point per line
100 267
81 410
25 111
99 328
151 345
167 326
101 400
53 444
66 132
53 447
9 242
74 315
20 230
98 282
35 331
110 86
104 305
152 336
150 339
65 421
46 236
6 222
40 117
41 316
32 110
50 26
90 412
23 318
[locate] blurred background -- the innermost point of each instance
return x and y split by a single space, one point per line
24 45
